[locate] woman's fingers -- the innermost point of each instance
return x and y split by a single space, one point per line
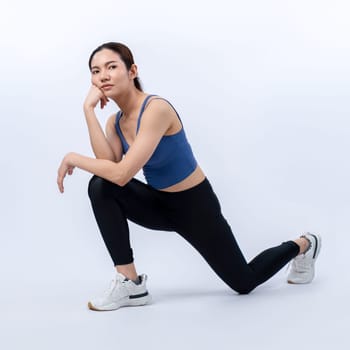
94 96
65 168
62 172
60 178
103 101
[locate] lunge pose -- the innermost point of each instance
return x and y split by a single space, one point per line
147 133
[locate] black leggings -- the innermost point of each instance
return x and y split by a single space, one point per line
195 214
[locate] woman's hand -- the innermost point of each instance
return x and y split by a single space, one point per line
66 166
94 96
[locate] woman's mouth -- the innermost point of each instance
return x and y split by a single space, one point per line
106 87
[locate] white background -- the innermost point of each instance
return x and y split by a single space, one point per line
263 90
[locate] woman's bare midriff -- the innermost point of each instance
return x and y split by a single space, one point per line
192 180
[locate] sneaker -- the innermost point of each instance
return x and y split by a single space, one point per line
122 292
303 266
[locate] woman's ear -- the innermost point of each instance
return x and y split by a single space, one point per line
133 71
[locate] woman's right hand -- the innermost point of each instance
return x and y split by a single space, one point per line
94 96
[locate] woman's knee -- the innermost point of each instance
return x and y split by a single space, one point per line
98 187
244 290
243 287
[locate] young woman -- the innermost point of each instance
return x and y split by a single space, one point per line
148 133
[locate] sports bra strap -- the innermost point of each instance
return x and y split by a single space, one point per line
144 106
119 115
142 110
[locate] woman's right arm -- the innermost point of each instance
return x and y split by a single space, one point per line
103 147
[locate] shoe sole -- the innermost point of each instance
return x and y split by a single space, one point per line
318 245
129 302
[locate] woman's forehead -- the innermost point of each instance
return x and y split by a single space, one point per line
103 56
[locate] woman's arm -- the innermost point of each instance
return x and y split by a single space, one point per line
107 169
113 138
156 120
99 143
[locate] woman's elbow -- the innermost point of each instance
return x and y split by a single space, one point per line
121 182
121 179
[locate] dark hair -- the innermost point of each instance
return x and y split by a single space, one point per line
125 54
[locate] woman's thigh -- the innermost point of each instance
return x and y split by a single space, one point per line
139 202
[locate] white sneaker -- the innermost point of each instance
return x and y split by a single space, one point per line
303 266
122 292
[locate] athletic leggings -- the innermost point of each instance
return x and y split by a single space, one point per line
195 214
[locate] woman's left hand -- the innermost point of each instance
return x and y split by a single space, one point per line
66 166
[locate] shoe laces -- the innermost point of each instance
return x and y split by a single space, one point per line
115 283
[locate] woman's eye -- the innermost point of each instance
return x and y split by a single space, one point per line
94 71
112 67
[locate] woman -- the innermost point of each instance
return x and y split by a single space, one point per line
148 133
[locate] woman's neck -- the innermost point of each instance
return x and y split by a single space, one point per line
129 102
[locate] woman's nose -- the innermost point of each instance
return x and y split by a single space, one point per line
104 75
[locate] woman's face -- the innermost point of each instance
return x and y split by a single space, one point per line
109 73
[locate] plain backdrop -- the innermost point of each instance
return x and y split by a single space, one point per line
262 88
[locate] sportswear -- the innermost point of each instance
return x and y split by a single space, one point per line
195 214
173 159
122 292
303 266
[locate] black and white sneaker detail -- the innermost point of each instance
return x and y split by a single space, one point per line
122 292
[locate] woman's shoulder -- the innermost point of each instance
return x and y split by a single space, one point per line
156 99
160 110
160 104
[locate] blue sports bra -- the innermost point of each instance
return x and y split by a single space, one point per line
173 159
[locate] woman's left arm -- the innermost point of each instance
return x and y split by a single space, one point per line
156 120
101 167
